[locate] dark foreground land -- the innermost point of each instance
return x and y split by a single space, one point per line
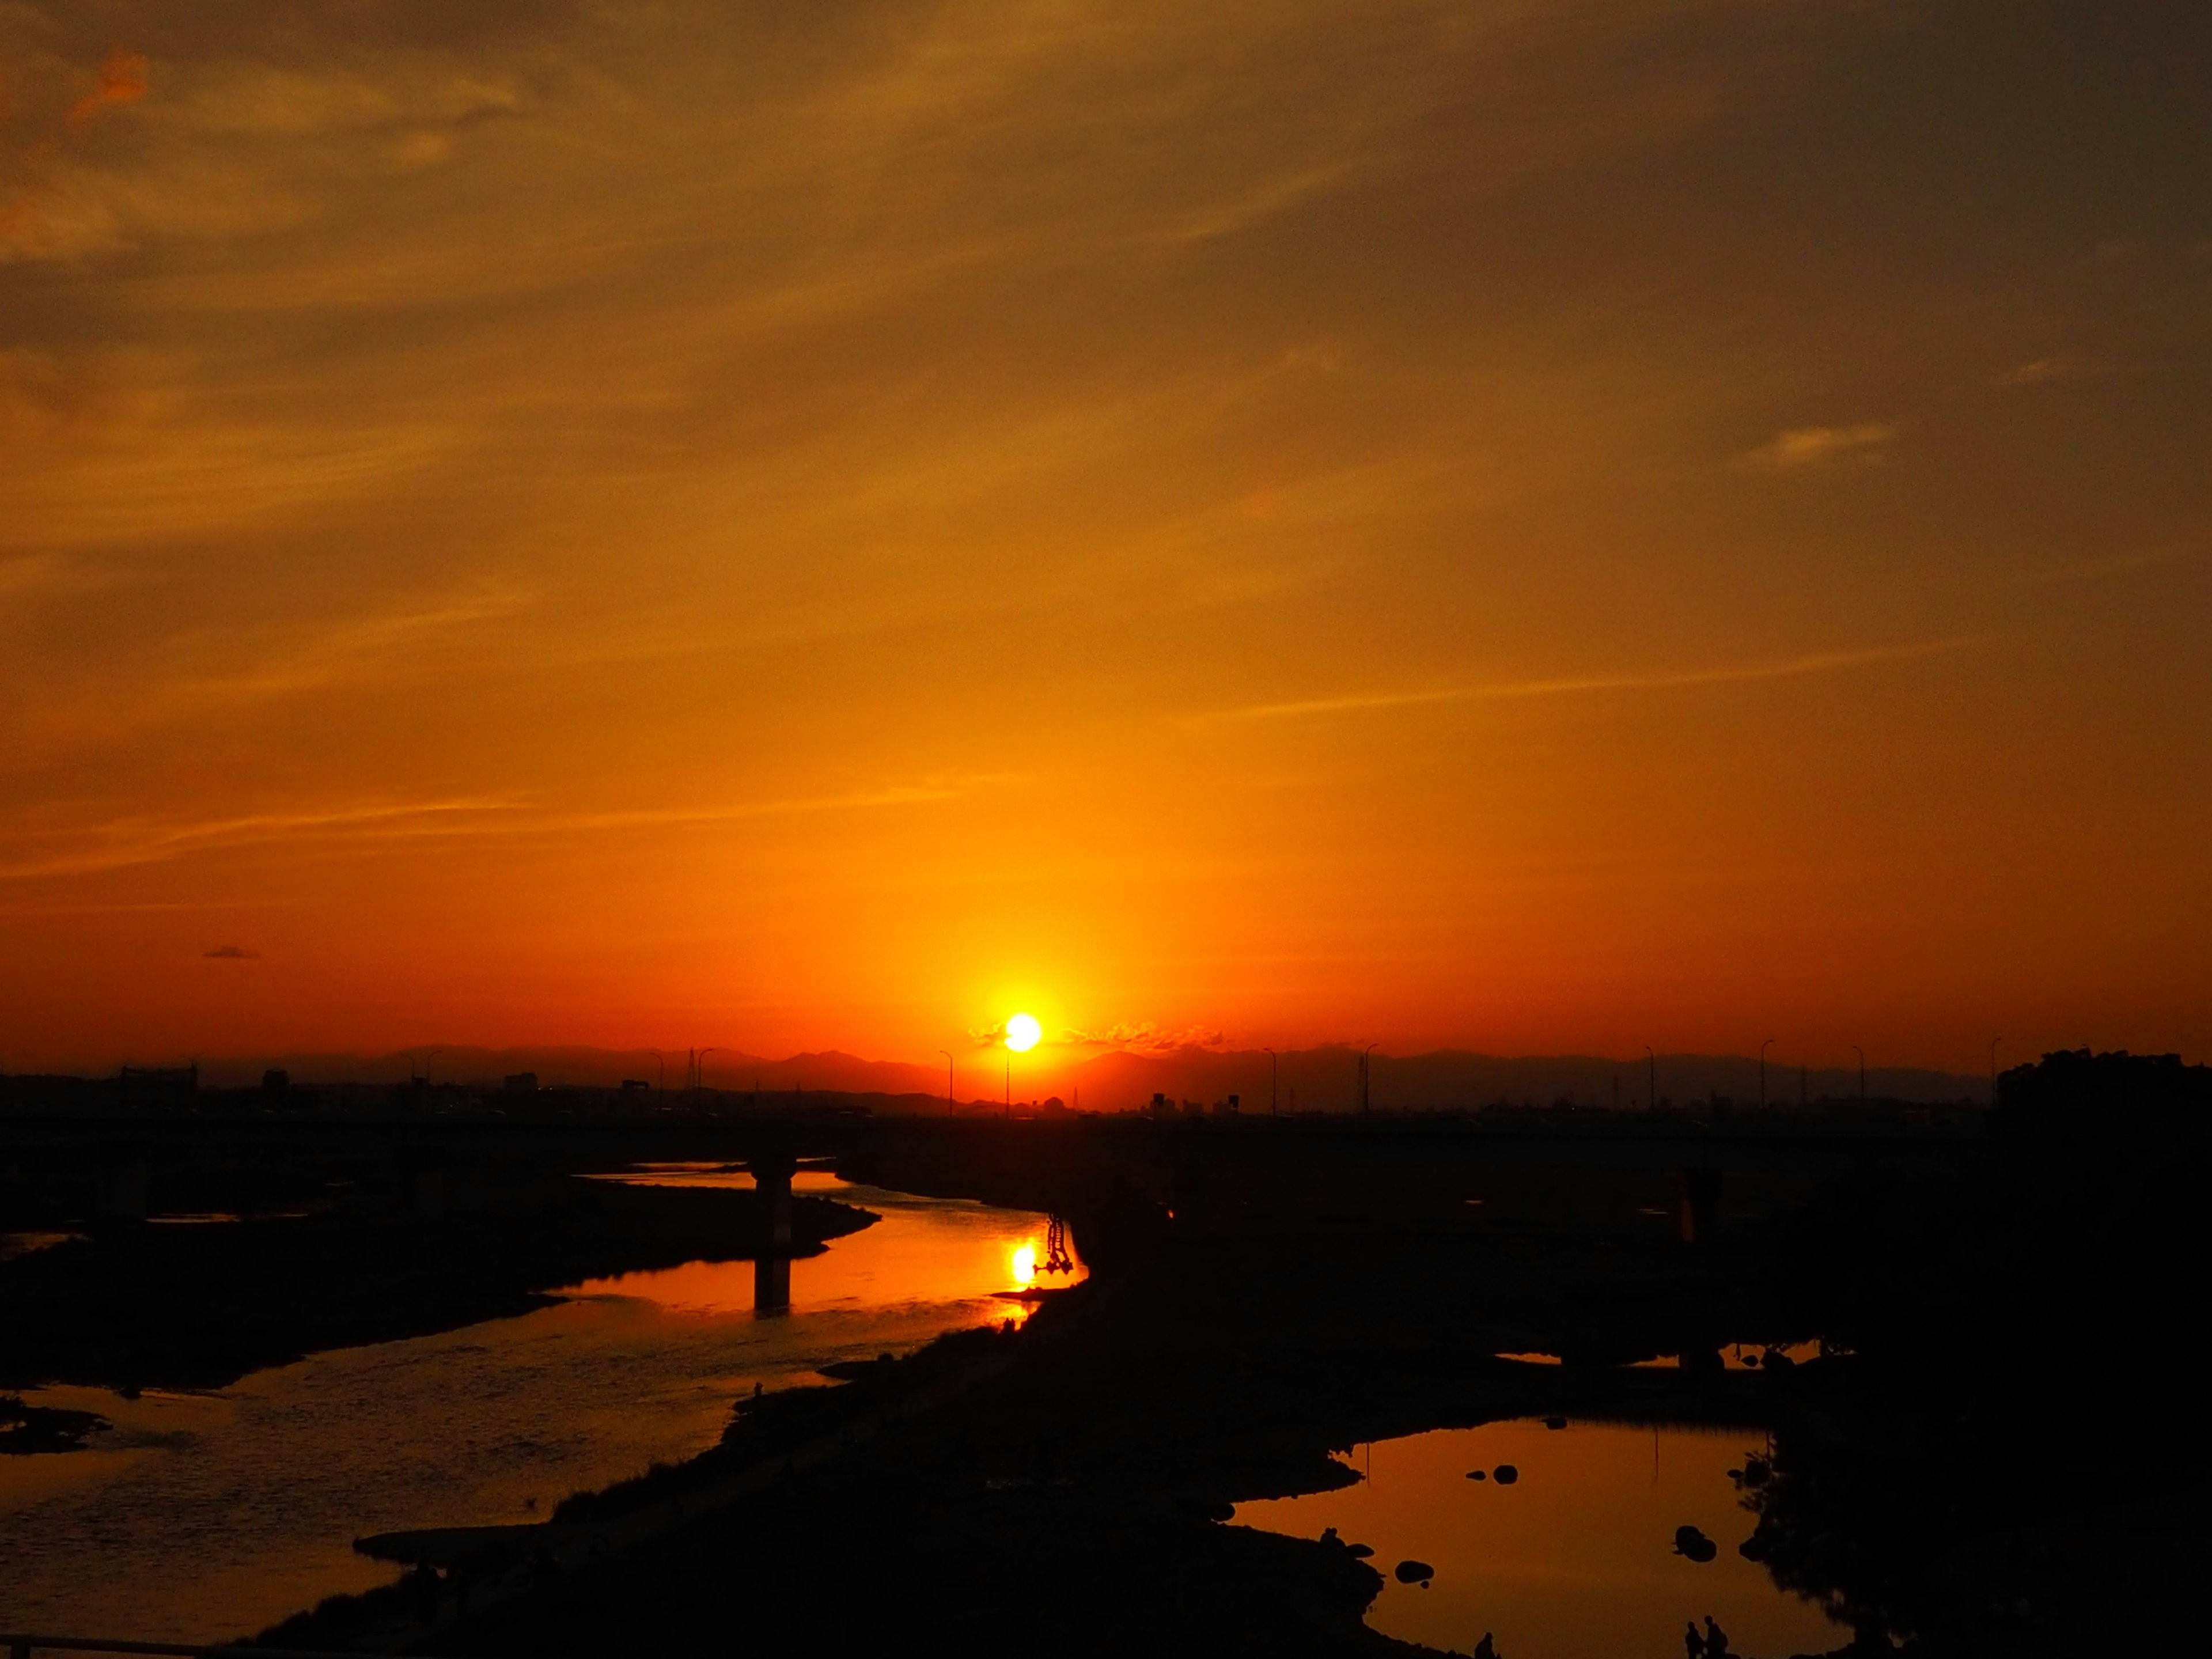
2007 1460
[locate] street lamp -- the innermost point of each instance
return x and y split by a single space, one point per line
703 1052
1270 1053
661 1060
1763 1048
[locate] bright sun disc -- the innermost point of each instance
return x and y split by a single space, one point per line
1022 1033
1024 1264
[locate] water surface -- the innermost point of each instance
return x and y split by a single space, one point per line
203 1516
1575 1558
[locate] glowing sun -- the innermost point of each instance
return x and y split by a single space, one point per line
1022 1033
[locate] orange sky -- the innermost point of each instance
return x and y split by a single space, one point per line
1542 525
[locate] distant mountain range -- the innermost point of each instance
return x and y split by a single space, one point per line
1307 1079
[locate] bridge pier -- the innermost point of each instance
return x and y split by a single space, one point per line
123 1182
772 1174
422 1173
1699 1208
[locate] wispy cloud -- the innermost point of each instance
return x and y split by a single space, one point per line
1810 445
231 953
2043 370
1817 663
123 75
123 843
1145 1037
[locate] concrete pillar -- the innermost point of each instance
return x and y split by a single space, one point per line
772 1175
1698 1210
772 1284
422 1171
123 1189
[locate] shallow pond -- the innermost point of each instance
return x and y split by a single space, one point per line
203 1516
1575 1558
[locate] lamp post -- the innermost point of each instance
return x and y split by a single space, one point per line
1861 1053
1270 1053
661 1060
947 1053
703 1052
1763 1048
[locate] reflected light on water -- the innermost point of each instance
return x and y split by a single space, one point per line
1575 1558
920 1251
203 1514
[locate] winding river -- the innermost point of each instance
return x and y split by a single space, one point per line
201 1516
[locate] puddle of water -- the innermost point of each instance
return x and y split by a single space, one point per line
1575 1558
203 1516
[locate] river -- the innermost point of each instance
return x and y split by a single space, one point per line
202 1516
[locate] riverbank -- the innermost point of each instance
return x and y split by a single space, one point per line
1067 1496
201 1304
1942 1476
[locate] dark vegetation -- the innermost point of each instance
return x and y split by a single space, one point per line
2018 1466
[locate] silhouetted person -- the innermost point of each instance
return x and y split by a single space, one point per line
1483 1649
1716 1640
1692 1644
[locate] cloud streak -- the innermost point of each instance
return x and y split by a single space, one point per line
1145 1037
122 79
1810 445
1786 668
123 844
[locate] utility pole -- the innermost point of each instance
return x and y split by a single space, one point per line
661 1060
703 1052
947 1053
1270 1053
1763 1048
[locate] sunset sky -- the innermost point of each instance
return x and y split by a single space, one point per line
1536 525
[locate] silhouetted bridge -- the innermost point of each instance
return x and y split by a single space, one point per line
1211 1171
